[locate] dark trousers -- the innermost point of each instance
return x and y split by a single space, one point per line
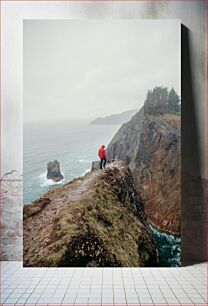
102 163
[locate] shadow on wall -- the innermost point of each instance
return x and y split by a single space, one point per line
193 202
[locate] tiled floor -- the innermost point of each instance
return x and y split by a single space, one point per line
108 286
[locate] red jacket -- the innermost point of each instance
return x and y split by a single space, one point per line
102 152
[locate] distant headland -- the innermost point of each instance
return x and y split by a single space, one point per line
115 119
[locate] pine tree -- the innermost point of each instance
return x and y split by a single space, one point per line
148 103
173 101
159 101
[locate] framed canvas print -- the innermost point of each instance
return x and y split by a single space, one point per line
102 143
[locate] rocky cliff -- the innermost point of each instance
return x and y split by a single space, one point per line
96 221
151 146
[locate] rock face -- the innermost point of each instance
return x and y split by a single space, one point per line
151 147
93 221
53 171
95 166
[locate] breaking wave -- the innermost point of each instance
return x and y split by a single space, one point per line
47 182
86 171
169 247
83 161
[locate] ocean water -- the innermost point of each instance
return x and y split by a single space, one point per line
169 248
75 146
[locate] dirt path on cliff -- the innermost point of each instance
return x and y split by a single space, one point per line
43 215
72 191
61 197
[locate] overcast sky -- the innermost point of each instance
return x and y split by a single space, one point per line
83 69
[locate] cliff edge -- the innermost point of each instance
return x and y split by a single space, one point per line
151 146
96 220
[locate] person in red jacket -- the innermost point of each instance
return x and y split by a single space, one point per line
102 155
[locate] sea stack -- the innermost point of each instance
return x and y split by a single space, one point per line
53 171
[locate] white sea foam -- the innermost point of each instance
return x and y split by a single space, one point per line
86 171
82 161
47 182
171 248
169 237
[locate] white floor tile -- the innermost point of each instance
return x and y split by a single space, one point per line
69 300
94 295
133 295
119 301
81 301
146 301
107 301
185 285
94 301
132 300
